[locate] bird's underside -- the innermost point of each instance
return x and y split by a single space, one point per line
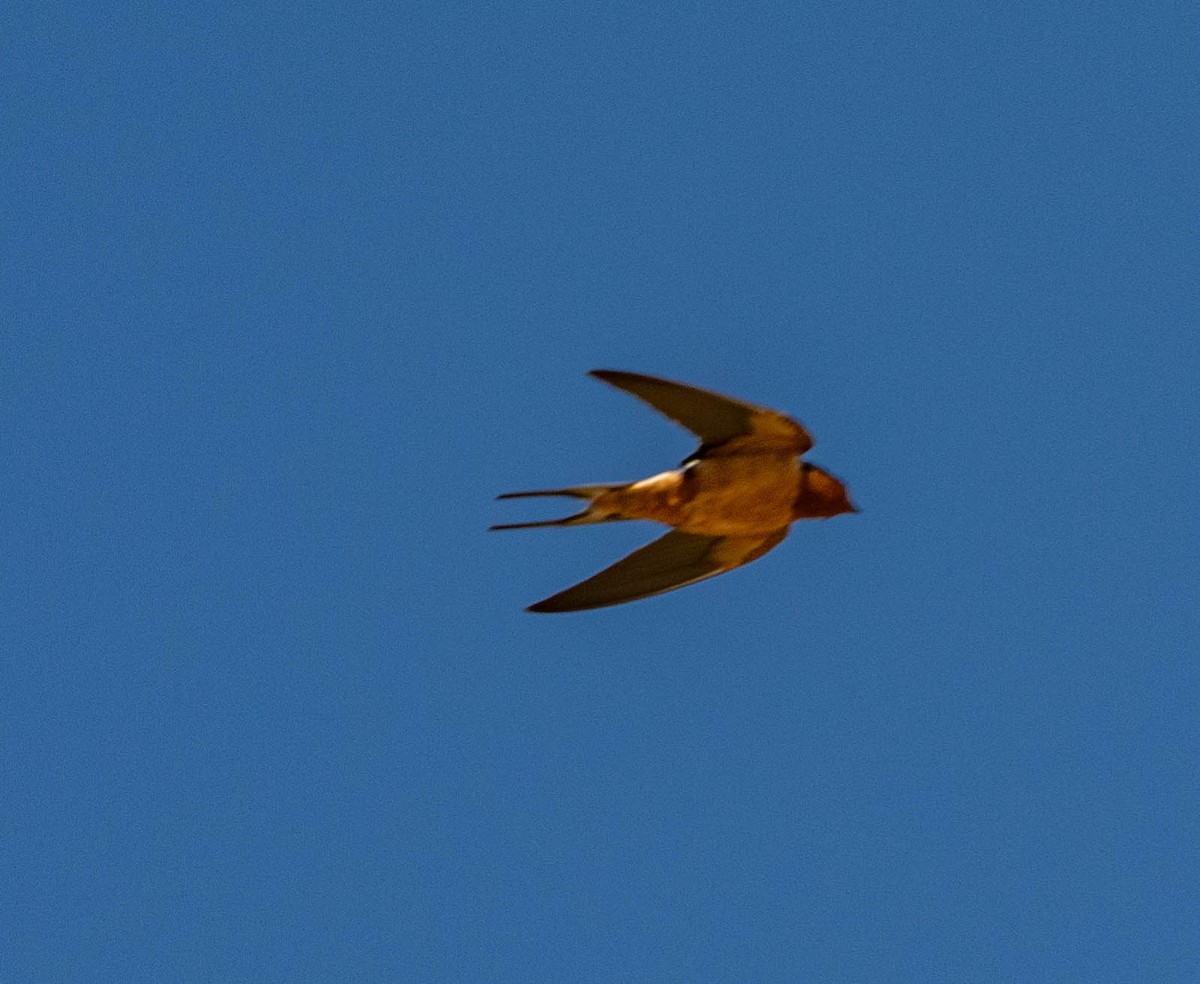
728 503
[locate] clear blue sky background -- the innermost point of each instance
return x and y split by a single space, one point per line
291 291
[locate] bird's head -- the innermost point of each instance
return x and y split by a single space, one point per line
821 494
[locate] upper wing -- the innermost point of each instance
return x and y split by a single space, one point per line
672 561
724 425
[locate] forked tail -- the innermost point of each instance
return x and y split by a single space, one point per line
588 515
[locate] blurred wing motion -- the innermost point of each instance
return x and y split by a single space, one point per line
672 561
724 425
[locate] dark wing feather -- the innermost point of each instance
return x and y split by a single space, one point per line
672 561
723 424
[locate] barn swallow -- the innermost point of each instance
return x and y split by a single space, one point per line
728 503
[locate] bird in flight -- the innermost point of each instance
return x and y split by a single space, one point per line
728 503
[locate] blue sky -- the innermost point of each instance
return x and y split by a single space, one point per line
290 292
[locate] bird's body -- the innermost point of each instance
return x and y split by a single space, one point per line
728 504
739 495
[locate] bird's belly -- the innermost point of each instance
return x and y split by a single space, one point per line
740 495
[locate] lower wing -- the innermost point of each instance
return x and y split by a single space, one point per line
672 561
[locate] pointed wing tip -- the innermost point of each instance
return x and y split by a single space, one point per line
616 377
548 606
564 601
557 603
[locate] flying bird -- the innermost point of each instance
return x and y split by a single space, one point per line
728 503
